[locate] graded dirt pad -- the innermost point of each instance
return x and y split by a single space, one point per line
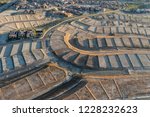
112 54
35 84
17 22
97 57
19 55
131 88
112 49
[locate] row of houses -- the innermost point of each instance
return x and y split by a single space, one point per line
138 11
21 34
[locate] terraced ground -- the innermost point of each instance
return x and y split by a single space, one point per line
110 89
104 47
20 57
16 22
112 52
35 84
97 57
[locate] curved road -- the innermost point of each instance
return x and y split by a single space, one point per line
102 52
73 18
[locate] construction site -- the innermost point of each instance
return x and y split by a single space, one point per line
98 56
